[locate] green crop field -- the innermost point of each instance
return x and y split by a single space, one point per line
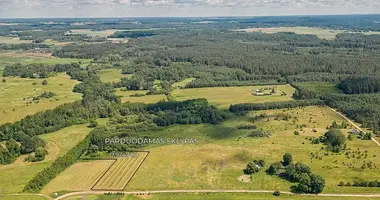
225 96
120 173
17 174
217 161
16 96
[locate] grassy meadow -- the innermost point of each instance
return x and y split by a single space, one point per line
223 97
322 33
16 96
22 197
126 96
92 33
111 75
212 196
14 176
223 151
13 40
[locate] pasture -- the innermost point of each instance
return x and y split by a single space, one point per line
126 96
322 33
117 177
16 175
80 176
111 75
16 96
218 159
223 97
92 33
13 40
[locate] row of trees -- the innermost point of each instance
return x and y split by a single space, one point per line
274 105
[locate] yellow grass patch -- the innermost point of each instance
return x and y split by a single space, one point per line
120 172
322 33
13 40
80 176
16 92
125 96
111 75
223 97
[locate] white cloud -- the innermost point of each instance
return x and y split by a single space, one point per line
94 8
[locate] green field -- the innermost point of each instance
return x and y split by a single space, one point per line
92 33
182 83
17 174
17 93
13 40
212 196
43 58
126 96
219 158
111 75
322 33
22 197
223 97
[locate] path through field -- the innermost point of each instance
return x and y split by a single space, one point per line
356 126
210 191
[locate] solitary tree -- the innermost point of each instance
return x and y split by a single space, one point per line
4 80
44 82
287 159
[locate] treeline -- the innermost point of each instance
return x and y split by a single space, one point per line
275 105
37 70
84 50
23 46
200 83
132 34
187 112
362 108
360 85
58 166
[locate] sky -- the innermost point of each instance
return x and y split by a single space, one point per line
182 8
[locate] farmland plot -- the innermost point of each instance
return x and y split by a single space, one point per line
118 176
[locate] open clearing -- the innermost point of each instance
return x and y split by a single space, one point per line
111 75
328 34
223 97
16 92
28 57
80 176
17 174
92 33
126 96
117 177
13 40
22 197
219 158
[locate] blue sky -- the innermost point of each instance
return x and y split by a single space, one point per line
184 8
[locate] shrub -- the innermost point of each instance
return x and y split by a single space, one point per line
276 193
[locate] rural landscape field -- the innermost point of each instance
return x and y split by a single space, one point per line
190 108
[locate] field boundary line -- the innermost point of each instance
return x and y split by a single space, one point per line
109 168
114 161
146 155
352 123
215 191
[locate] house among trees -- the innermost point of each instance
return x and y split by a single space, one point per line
354 131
